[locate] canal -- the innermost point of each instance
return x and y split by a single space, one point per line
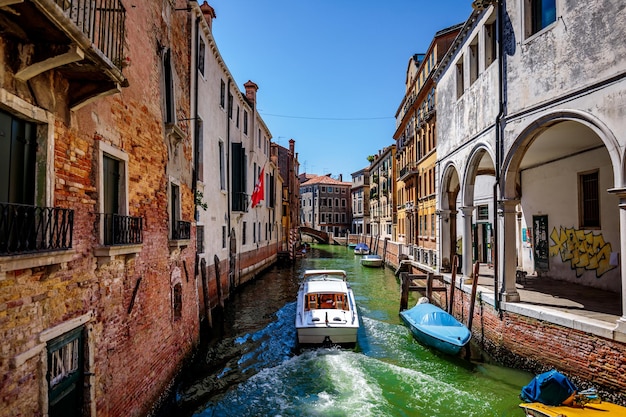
256 370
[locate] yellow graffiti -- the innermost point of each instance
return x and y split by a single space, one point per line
584 250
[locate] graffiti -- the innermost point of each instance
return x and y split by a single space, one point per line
583 250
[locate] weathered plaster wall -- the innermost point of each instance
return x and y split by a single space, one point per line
550 190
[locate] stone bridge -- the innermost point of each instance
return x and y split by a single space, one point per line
318 235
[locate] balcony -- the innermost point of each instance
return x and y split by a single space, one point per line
122 230
240 201
33 236
408 171
122 235
181 234
81 39
28 229
181 230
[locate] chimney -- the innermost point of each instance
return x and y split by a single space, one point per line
251 89
341 177
209 14
292 147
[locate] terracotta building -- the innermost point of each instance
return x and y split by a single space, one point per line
98 302
325 204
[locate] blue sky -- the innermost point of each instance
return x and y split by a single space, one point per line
330 72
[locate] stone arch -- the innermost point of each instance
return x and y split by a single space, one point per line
515 154
475 167
447 211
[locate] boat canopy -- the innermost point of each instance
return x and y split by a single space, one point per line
550 388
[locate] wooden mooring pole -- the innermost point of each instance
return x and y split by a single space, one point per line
404 296
455 262
473 296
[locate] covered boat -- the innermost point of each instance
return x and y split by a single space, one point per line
361 249
434 327
552 394
326 312
375 261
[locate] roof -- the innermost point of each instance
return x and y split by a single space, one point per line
325 180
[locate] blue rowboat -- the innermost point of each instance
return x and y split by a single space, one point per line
361 249
434 327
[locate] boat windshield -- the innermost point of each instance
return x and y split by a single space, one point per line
333 301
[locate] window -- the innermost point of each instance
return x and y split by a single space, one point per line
254 234
473 58
538 14
177 301
117 228
243 232
18 152
490 43
222 93
223 237
222 165
589 200
245 122
65 375
432 225
482 212
201 54
239 177
230 106
168 79
460 86
200 239
237 119
174 210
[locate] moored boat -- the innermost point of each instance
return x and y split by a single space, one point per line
436 328
552 394
326 312
374 261
603 408
361 249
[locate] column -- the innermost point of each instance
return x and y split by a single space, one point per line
507 250
621 322
468 253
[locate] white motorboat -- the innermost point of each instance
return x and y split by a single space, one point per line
326 312
373 261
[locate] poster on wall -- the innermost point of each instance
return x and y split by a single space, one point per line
540 246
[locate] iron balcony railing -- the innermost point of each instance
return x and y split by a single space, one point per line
28 229
240 201
122 230
181 230
102 21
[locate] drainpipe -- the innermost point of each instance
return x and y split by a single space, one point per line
499 150
231 279
196 117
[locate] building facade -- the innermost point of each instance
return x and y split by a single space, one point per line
289 170
416 144
533 144
360 196
97 245
325 204
237 237
383 210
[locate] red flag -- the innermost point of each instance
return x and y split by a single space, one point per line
259 189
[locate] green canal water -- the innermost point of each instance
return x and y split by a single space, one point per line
256 370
